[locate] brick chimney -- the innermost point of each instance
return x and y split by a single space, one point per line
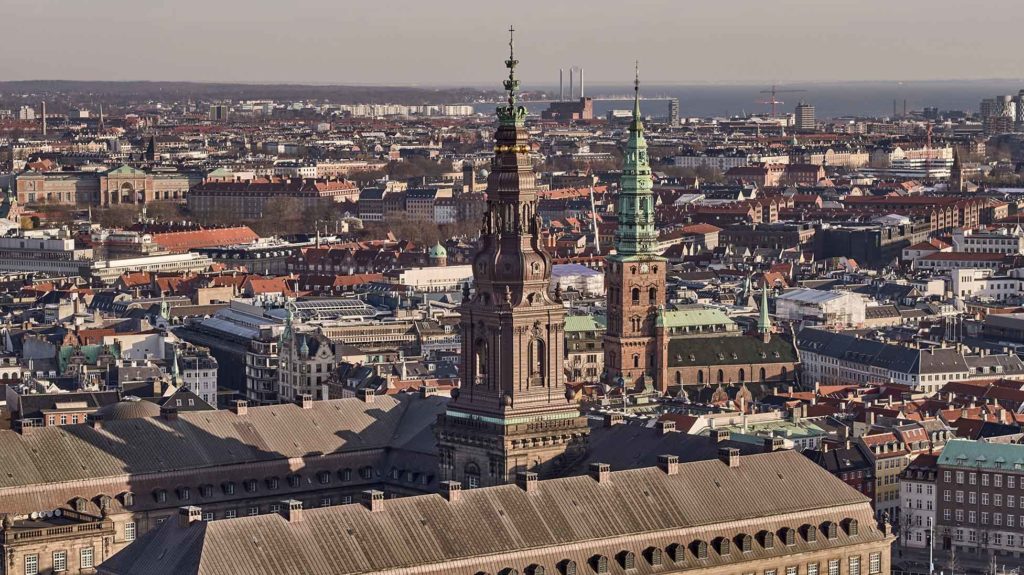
719 435
729 456
669 464
168 413
451 490
240 407
189 515
773 444
666 426
373 500
367 395
292 510
305 401
601 472
612 419
527 481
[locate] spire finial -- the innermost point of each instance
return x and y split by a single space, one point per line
511 85
636 97
511 113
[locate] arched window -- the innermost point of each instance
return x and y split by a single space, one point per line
472 475
762 375
481 361
636 295
600 564
743 375
652 295
700 376
636 360
567 567
784 373
679 378
536 362
627 560
653 555
721 376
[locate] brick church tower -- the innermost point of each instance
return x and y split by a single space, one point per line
512 412
635 274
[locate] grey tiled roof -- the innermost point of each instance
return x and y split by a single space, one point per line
495 528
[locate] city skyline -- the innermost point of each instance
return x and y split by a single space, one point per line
213 42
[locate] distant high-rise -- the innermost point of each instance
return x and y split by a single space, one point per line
673 111
805 121
218 113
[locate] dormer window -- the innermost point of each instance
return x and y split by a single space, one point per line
653 555
229 488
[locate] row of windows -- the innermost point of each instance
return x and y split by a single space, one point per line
972 478
86 560
184 493
627 560
972 517
972 498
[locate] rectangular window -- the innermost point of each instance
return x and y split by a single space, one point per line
972 478
208 516
945 514
854 565
32 564
85 558
984 479
812 569
833 567
972 517
960 477
230 514
997 519
946 476
959 496
60 561
997 500
972 498
997 480
129 531
875 563
984 498
959 514
325 501
254 511
946 495
770 572
1010 481
791 570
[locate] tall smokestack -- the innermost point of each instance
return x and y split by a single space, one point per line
44 117
904 108
581 83
571 92
561 85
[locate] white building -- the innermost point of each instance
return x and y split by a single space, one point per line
49 251
816 307
198 370
580 278
982 283
1001 241
435 279
917 497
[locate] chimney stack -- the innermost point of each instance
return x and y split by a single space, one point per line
730 456
451 490
305 401
168 413
666 426
612 419
292 510
240 407
366 394
527 481
719 435
601 472
189 515
373 500
669 464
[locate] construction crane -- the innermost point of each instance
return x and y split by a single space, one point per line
773 101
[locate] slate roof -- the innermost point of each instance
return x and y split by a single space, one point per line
489 529
201 439
729 350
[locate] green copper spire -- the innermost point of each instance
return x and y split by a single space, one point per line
764 323
511 114
636 234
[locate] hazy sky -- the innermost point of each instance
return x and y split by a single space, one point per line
463 42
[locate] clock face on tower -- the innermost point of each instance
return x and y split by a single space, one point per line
644 268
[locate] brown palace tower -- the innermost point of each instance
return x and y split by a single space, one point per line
512 412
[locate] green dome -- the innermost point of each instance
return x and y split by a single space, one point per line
438 251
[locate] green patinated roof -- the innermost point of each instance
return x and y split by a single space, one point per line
979 455
438 251
221 172
697 316
584 323
125 170
91 352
